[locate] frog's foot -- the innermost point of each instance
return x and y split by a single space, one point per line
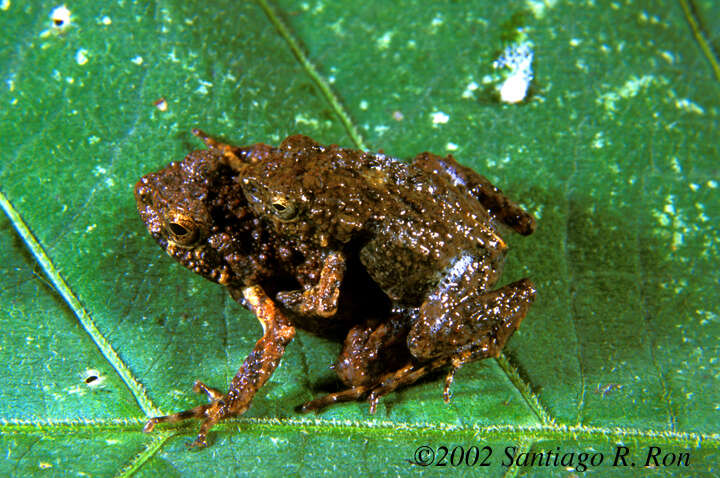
405 376
388 383
411 374
220 407
349 395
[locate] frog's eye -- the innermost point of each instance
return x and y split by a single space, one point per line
284 208
182 230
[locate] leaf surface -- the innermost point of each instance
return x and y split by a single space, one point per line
615 152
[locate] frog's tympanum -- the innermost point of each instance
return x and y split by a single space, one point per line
398 258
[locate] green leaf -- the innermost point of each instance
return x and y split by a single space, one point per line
615 152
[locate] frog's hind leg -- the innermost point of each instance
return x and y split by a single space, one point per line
369 352
457 325
349 395
374 362
387 383
469 325
499 205
412 373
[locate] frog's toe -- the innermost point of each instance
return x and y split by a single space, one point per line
212 393
198 412
402 377
349 395
219 408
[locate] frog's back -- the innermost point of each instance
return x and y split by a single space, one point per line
420 225
412 224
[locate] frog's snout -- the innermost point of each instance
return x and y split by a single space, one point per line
143 191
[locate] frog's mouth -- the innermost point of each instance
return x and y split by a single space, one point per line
202 260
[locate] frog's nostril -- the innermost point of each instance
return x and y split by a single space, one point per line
143 192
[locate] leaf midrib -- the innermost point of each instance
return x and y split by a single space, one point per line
379 428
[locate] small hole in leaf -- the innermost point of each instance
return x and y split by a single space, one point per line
60 17
93 378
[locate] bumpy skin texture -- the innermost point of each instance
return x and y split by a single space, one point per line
399 258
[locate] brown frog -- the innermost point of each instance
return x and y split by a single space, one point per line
398 258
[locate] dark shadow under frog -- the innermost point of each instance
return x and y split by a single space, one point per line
398 258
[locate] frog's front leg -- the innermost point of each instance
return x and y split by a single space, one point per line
254 372
322 298
230 152
234 156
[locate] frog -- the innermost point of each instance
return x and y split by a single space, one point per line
398 260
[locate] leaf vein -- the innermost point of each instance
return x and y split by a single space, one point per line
313 73
136 388
572 274
693 19
136 463
641 280
532 400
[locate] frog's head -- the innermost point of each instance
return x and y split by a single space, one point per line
194 210
275 185
305 190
